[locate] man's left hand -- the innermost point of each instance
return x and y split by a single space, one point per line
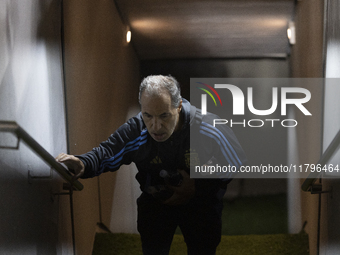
184 192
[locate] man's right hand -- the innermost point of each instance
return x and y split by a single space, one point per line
73 163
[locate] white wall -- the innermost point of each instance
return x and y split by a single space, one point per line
124 206
293 184
31 93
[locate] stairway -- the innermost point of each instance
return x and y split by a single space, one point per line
251 225
277 244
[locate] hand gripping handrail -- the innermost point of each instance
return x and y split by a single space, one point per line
313 176
13 127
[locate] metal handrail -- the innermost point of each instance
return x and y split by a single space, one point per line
13 127
312 177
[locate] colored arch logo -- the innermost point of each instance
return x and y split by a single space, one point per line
209 93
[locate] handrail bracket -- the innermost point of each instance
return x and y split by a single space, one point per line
46 177
16 147
317 189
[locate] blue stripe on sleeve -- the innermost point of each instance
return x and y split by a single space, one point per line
115 160
220 135
231 162
227 150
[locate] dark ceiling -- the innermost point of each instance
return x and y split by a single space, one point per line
172 29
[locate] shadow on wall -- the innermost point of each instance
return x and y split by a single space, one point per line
29 216
31 93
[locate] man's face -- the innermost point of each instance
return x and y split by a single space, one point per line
160 117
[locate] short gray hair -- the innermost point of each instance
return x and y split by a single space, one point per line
155 83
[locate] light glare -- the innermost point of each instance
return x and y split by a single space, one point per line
128 36
289 33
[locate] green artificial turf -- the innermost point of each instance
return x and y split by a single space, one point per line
278 244
255 215
251 225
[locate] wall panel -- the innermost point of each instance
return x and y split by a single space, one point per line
102 79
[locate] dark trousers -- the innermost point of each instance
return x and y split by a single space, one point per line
199 222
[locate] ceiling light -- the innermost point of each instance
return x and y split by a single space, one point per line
291 32
128 36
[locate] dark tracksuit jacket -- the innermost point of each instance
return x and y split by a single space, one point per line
132 143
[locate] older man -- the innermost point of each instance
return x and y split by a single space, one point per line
157 140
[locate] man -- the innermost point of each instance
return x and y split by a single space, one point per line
157 140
